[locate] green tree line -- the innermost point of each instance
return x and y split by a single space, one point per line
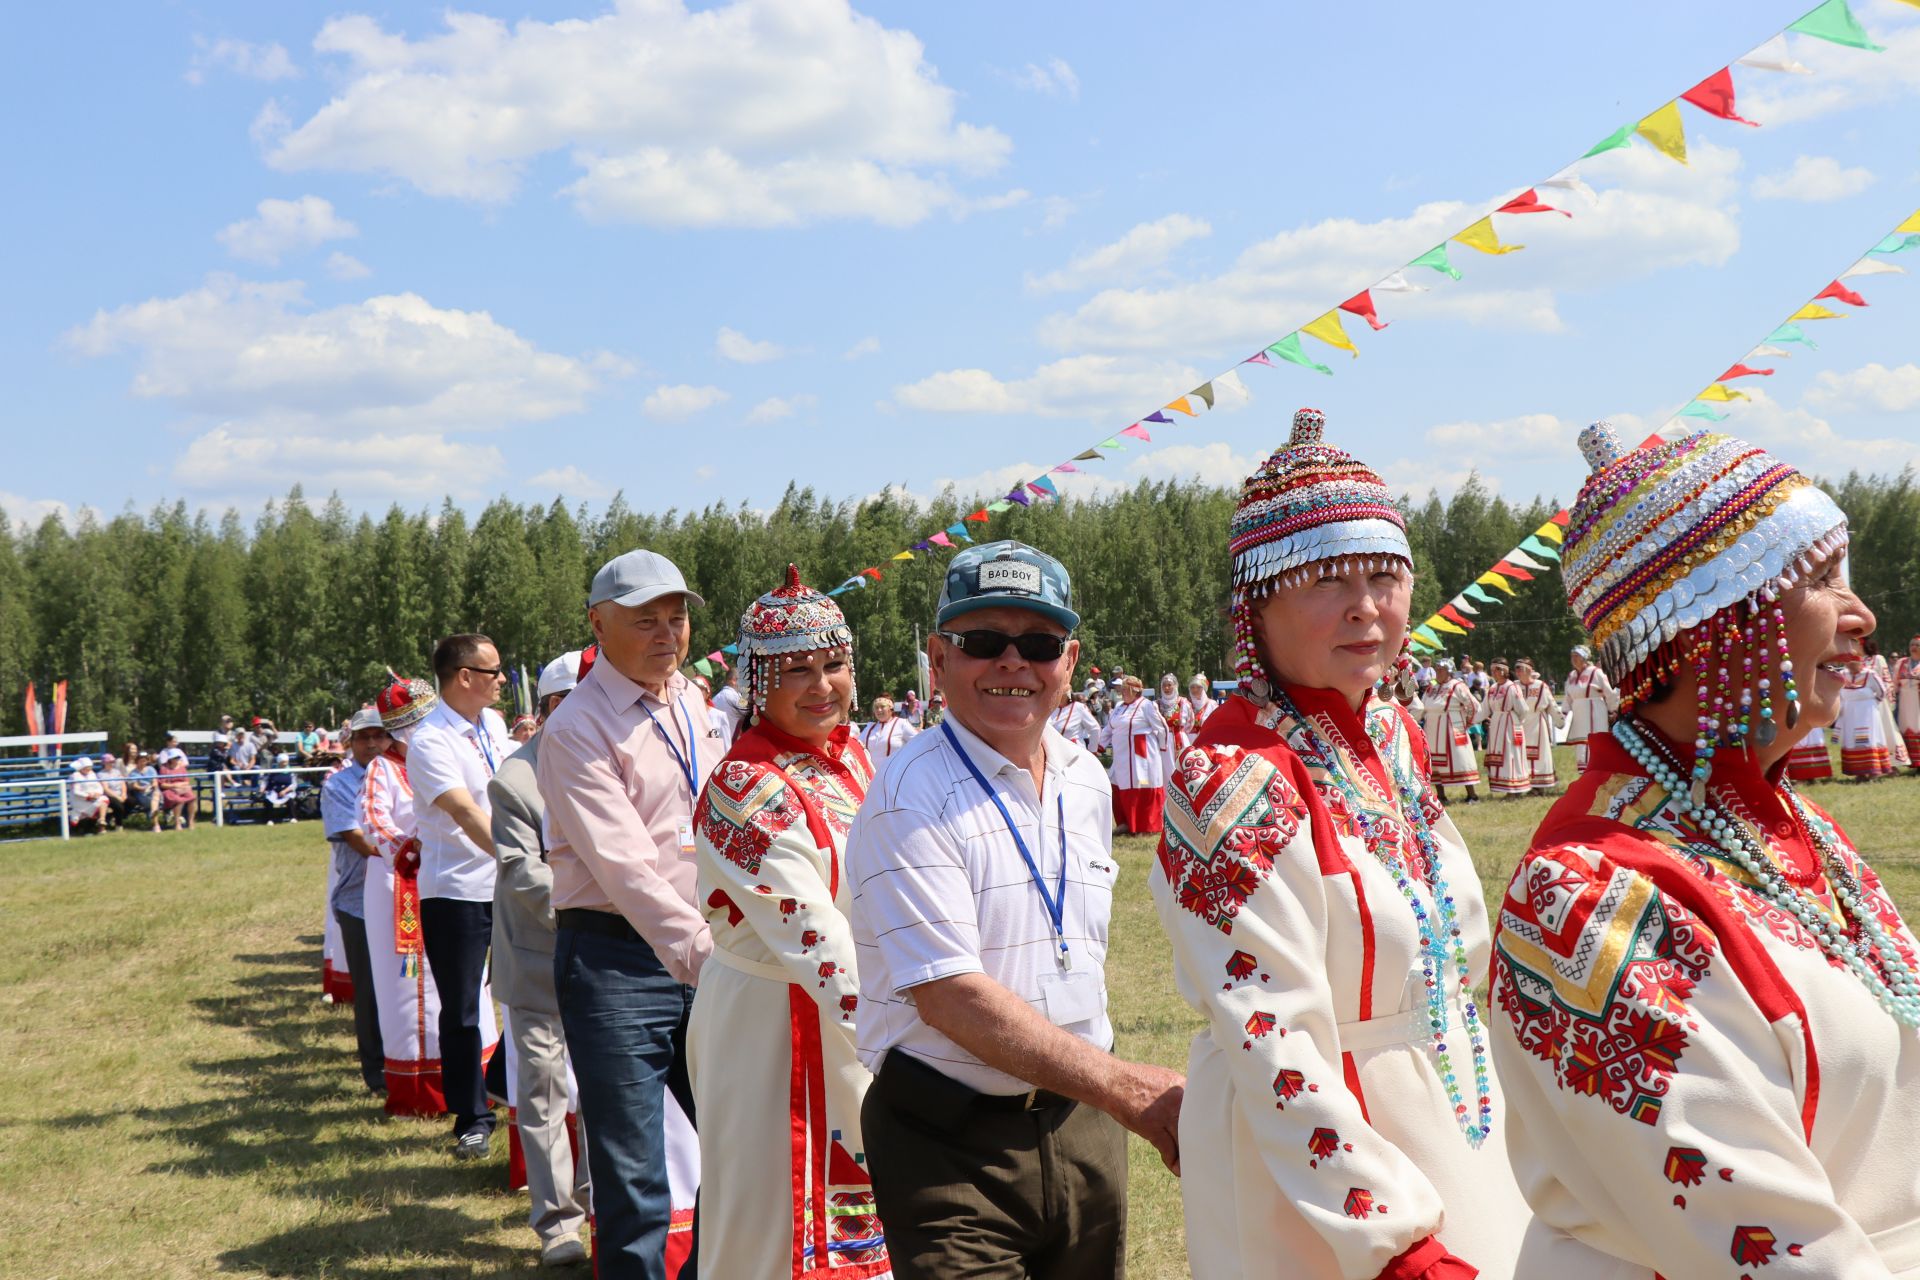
168 619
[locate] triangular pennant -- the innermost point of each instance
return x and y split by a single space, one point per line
1459 602
1912 224
1536 545
1872 267
1259 357
1714 95
1481 236
1506 568
1397 283
1045 485
982 514
1896 243
923 544
1040 493
1492 579
1111 442
959 531
1288 349
1453 615
1438 623
1767 351
1088 455
1744 371
1361 304
1205 392
940 540
1520 558
1792 333
1479 593
1528 201
1066 468
904 555
704 667
1019 496
1138 432
1612 142
1327 329
1722 392
1553 531
1834 22
1840 293
1570 182
998 505
1814 311
1182 405
872 573
1562 517
1436 258
1665 131
1773 56
1425 634
1698 410
1157 416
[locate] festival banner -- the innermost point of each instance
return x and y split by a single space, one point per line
1517 566
1664 128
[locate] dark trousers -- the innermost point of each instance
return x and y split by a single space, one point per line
625 1020
366 1010
972 1187
456 935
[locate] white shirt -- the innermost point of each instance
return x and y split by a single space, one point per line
448 753
882 740
940 888
167 755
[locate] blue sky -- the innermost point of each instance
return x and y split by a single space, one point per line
695 253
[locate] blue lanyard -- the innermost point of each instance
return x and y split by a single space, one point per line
482 737
1057 904
689 769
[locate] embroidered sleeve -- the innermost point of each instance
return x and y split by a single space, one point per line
1239 890
1656 1111
761 871
377 806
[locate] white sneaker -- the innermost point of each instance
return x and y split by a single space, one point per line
566 1251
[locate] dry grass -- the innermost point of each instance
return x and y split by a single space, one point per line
181 1103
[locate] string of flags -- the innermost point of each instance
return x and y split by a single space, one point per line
1520 565
1664 129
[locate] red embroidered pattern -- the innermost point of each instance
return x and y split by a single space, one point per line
1214 882
740 814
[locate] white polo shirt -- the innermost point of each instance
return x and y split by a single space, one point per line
940 888
444 754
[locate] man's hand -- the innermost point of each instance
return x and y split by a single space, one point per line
467 814
1146 1099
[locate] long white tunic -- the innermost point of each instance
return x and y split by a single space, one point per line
1536 710
1509 769
1445 717
1696 1090
1178 713
777 1083
408 1002
1317 1138
1137 735
1906 702
1075 723
1866 745
1591 703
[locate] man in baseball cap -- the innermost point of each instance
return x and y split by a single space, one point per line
639 578
363 737
1007 574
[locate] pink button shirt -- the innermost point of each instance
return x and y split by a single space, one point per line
618 804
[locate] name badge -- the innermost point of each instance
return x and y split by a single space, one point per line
1073 996
686 839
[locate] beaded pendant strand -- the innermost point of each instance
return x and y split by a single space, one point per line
1440 941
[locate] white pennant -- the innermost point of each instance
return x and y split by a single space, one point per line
1570 182
1871 266
1773 56
1768 349
1398 283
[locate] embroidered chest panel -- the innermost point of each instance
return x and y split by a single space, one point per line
1230 813
1362 810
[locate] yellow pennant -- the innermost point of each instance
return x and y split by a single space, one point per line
1814 311
1664 130
1327 329
1551 532
1481 236
1439 623
1492 579
904 555
1912 224
1721 391
1181 406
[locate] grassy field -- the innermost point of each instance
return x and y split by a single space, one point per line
182 1104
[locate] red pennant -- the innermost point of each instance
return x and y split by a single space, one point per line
1506 570
872 573
1844 294
1528 201
1714 95
980 516
1452 615
1563 515
1743 371
1361 304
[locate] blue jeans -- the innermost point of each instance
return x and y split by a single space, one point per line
626 1024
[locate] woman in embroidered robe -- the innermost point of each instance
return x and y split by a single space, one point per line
1706 1000
1537 713
1906 700
1810 760
1866 750
1178 713
1200 698
1340 1121
1591 703
1449 709
776 1082
408 1002
1137 735
1509 770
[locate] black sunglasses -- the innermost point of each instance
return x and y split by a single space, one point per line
495 672
1034 646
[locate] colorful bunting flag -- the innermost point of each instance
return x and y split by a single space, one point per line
1491 579
1156 417
1481 236
1912 224
1555 527
1288 348
1044 485
1460 602
959 531
1714 95
1767 350
1327 329
1536 545
1361 304
1182 405
872 573
1840 293
1665 131
1436 258
1087 455
1112 442
1872 266
1528 201
1744 371
999 505
941 540
1425 633
1438 623
1066 468
1570 182
983 513
1612 142
1896 244
1479 593
1773 56
1397 283
1834 21
1721 391
904 555
1521 558
1259 357
1793 333
1205 392
1137 432
704 667
734 649
1020 497
1814 311
1506 568
1698 410
1453 615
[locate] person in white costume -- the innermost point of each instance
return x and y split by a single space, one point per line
1906 700
1866 745
1072 721
1509 770
1178 713
886 733
1137 734
1341 1120
1537 712
1592 702
1200 698
1706 1001
1448 711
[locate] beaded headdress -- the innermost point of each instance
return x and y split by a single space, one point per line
1678 553
1308 503
790 619
405 703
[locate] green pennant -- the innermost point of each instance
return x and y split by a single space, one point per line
1613 141
1479 593
1436 258
998 505
1205 392
1536 546
1698 410
1109 443
1288 349
1835 22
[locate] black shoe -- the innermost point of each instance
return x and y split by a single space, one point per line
472 1145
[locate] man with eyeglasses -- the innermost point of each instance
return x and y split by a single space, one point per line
982 870
450 760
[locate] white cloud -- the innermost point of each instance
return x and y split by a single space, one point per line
254 61
1056 210
681 401
1812 443
344 266
258 358
774 408
865 347
1091 387
285 226
1813 179
705 472
1842 78
1872 387
1056 77
751 113
1142 249
733 345
570 482
409 465
31 511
